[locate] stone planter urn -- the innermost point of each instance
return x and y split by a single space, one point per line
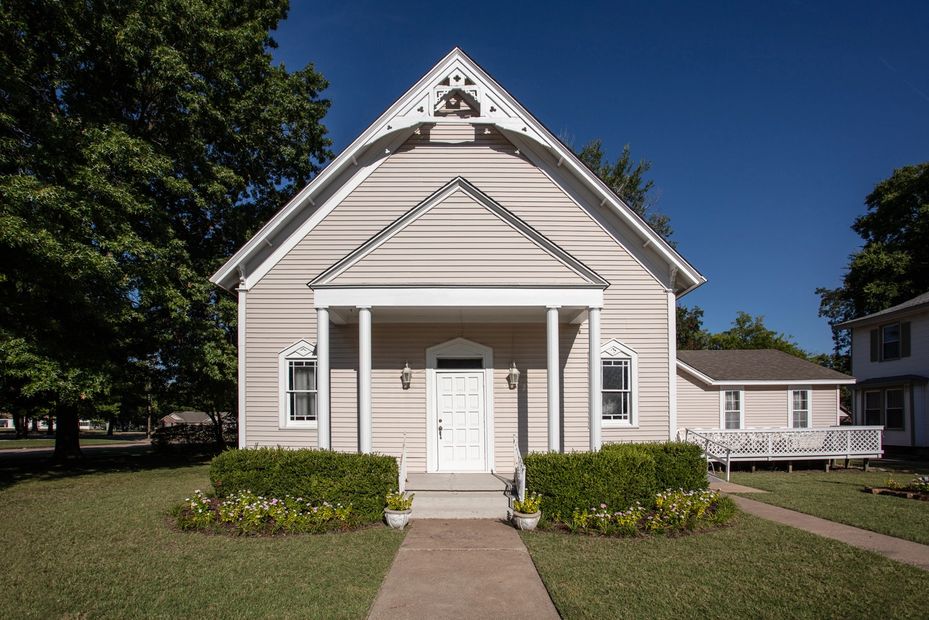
397 519
524 521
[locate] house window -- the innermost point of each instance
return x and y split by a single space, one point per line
873 412
800 408
885 408
619 384
890 342
298 386
893 409
301 391
732 409
617 389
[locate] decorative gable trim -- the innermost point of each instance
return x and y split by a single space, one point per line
590 278
418 106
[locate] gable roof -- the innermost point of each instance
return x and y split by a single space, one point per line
503 232
756 366
910 305
418 106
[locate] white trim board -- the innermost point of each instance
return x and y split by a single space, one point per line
414 108
439 297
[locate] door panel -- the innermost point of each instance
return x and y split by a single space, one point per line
461 417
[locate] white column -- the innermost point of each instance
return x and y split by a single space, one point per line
595 378
672 366
554 390
240 342
322 378
364 379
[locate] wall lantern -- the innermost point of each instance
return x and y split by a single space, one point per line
406 375
512 378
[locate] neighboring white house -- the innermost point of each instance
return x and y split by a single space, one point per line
890 361
454 245
755 389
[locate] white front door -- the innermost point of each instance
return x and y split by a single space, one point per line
460 418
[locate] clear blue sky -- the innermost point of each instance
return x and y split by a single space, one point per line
766 124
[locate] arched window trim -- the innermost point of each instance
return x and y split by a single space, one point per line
616 350
301 351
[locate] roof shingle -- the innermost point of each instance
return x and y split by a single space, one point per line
757 365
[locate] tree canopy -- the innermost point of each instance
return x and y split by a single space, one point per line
893 263
140 144
627 180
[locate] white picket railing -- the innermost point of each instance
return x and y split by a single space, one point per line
782 444
519 476
712 449
401 482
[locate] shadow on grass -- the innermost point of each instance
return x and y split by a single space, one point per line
17 467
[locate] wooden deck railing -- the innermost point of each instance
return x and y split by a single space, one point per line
782 444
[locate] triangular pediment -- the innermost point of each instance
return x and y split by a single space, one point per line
459 237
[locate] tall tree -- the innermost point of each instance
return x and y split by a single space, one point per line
893 264
690 332
627 180
748 332
140 143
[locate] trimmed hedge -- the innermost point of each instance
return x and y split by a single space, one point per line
619 475
362 480
678 465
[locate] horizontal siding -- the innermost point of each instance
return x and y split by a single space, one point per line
916 364
825 405
280 306
697 403
458 242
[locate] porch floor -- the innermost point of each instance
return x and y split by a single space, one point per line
457 482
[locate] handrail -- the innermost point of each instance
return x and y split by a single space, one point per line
706 449
772 444
519 477
401 473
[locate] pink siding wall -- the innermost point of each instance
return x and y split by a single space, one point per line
280 306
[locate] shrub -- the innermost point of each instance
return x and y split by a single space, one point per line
320 476
247 513
619 475
670 512
678 465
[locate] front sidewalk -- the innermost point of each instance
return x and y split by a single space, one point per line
456 568
888 546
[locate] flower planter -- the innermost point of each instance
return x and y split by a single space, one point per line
524 521
397 519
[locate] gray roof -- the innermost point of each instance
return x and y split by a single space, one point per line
911 304
757 365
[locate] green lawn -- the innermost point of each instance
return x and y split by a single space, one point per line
101 545
753 569
838 496
87 439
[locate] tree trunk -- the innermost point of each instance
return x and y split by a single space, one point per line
217 430
67 439
51 426
110 425
35 425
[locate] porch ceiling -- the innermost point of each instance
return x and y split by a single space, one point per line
502 314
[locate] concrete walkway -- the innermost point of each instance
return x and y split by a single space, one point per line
458 568
888 546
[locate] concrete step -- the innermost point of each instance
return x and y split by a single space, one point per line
460 505
456 482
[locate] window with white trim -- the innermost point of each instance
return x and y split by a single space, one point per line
893 409
873 412
732 409
800 408
885 408
298 389
617 389
618 373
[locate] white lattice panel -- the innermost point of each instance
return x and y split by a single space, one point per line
783 443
